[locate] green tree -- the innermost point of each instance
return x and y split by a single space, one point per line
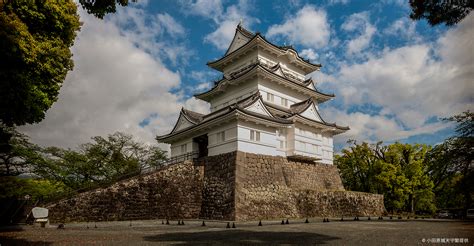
437 12
103 7
410 159
451 165
20 156
101 161
397 171
35 37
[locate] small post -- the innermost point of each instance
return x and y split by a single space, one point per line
162 222
228 225
167 222
368 218
306 221
342 218
233 225
287 222
327 219
95 225
182 222
260 223
130 224
282 222
203 223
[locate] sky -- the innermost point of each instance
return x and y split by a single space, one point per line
394 78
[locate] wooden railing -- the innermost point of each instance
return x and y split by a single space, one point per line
175 159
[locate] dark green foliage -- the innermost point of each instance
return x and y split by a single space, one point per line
35 37
414 177
100 8
397 171
101 161
437 12
451 165
20 155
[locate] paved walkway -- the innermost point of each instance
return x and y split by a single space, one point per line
349 232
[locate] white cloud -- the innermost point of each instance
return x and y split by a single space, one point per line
374 128
403 27
333 2
160 35
309 27
223 35
227 22
212 9
309 54
171 25
359 23
225 19
114 86
410 84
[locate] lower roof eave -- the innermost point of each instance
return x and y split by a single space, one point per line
231 115
326 127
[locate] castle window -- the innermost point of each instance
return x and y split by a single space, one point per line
282 144
270 97
315 148
220 136
284 102
255 135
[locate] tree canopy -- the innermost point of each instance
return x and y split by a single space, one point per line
438 12
101 8
102 161
35 37
414 177
397 171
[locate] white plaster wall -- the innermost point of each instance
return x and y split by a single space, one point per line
216 147
265 86
242 61
284 61
267 144
233 94
311 136
176 147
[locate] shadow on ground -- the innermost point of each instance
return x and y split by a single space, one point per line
17 241
239 237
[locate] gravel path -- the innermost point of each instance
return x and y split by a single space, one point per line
363 232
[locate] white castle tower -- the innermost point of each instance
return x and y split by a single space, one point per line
263 104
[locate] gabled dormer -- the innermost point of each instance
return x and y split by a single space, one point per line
186 119
241 37
247 48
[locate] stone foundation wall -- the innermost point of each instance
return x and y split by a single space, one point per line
219 187
231 186
273 187
174 192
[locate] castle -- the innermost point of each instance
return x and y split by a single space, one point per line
263 105
263 152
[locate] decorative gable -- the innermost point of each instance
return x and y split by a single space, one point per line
182 123
259 107
238 41
312 113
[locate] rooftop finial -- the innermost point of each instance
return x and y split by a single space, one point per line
240 22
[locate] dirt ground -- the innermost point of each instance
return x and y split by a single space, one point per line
336 232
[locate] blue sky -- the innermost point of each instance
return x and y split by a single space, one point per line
393 78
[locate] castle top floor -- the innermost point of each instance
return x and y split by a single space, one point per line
248 48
